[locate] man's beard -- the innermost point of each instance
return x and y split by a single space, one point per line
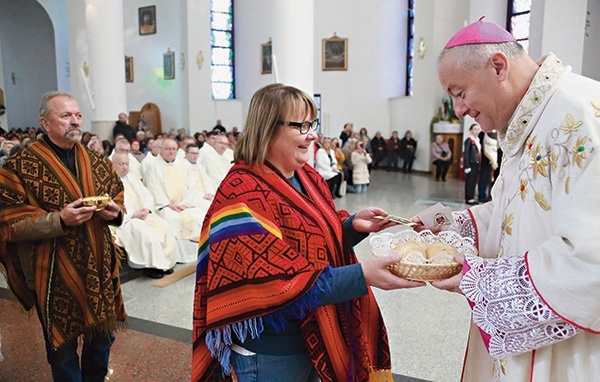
73 134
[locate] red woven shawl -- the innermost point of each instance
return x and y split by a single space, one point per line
262 247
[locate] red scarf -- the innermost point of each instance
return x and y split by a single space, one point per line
262 247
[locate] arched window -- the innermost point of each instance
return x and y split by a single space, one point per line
518 20
222 62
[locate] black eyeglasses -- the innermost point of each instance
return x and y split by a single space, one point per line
303 127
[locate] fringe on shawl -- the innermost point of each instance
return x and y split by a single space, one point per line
380 375
219 340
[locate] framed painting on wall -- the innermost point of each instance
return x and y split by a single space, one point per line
147 20
128 69
266 58
335 53
169 65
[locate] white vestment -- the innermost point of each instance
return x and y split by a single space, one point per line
147 163
172 183
217 166
134 165
203 184
150 243
544 213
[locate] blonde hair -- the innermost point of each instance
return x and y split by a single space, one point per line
270 107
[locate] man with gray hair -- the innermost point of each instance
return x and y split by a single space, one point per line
216 159
176 198
148 239
534 286
122 146
58 250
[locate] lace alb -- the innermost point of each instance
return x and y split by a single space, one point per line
508 308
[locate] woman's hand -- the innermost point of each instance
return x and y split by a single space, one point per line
378 275
366 222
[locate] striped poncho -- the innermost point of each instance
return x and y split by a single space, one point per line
263 246
77 286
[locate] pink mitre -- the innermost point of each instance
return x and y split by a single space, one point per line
480 32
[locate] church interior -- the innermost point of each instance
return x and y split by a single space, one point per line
166 64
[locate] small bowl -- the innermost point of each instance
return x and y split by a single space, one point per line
98 201
383 245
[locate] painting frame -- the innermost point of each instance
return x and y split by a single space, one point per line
266 58
169 65
335 53
147 20
128 68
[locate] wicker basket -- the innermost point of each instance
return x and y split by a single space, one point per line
383 244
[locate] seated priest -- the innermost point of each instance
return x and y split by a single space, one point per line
216 159
203 184
122 146
148 239
176 198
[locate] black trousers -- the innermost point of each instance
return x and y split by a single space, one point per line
441 168
471 182
334 185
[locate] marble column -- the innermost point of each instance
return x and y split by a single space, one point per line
293 45
106 53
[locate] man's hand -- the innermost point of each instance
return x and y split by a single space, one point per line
76 213
378 275
176 207
452 284
141 214
365 221
110 212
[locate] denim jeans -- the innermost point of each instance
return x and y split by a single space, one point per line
273 368
360 188
64 361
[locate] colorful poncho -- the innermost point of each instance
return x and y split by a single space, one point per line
262 247
76 275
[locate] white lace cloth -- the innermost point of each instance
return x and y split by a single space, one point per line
463 224
507 307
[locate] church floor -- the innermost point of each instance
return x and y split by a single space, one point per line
427 328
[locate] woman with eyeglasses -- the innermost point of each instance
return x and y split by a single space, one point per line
279 292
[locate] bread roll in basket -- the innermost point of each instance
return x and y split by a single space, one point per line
425 255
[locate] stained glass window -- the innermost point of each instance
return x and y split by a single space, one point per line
518 16
221 62
410 45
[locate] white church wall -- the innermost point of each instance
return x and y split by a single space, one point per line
591 51
57 11
26 77
376 33
147 51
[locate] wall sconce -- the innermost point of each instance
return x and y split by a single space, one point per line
199 59
422 48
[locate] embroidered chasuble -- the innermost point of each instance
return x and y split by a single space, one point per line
545 209
76 273
263 246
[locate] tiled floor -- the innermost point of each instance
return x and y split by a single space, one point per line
427 327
